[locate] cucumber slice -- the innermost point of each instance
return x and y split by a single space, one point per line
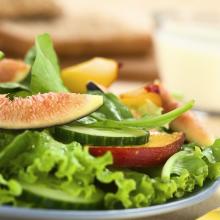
101 136
42 196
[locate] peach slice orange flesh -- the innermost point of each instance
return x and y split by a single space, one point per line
188 123
160 147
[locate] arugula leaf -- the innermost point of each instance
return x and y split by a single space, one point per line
147 122
45 73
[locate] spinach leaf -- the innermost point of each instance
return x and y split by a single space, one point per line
124 112
45 73
112 107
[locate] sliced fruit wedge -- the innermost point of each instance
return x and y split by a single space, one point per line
13 70
159 148
142 101
188 123
139 96
45 110
100 70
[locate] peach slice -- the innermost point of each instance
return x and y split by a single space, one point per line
139 96
187 123
100 70
160 147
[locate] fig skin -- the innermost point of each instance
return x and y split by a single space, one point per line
188 123
160 147
12 70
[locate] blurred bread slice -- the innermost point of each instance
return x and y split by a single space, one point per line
28 8
84 28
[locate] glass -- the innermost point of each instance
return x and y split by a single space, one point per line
187 48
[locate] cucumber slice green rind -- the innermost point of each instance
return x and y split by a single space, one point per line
41 196
101 136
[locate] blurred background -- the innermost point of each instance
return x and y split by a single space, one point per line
126 30
80 29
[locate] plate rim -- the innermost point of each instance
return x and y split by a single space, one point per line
31 213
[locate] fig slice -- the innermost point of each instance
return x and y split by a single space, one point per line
12 70
45 110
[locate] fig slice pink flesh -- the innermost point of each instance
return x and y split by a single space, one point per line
45 110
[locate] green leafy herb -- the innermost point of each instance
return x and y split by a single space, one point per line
45 73
147 122
30 56
112 107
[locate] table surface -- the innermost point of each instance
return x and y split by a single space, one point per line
213 123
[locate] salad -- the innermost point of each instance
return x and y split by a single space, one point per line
95 150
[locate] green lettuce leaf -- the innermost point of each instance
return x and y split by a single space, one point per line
6 137
36 158
121 197
212 156
9 189
144 192
184 161
216 150
45 73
